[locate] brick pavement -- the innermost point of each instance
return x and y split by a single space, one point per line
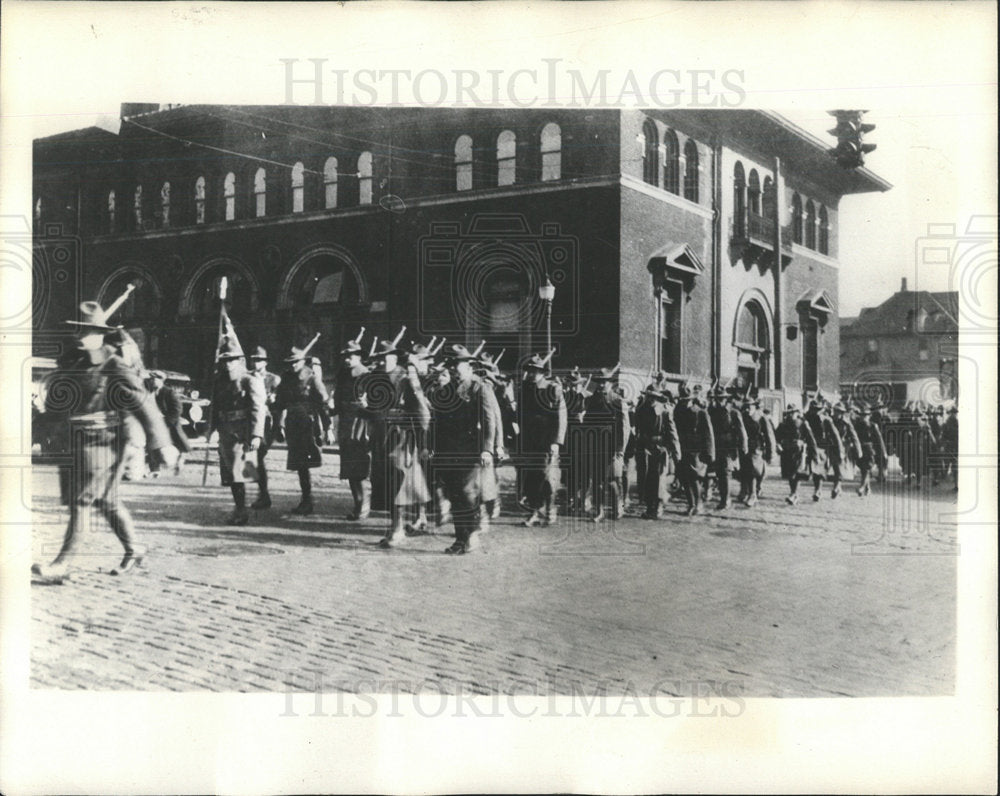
779 600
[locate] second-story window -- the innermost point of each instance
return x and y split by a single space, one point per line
463 163
650 153
229 196
298 188
824 231
365 178
260 193
691 171
739 198
137 206
753 193
506 158
112 211
330 183
796 218
165 204
199 201
551 152
768 199
810 224
671 163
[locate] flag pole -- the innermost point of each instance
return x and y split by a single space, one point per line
223 285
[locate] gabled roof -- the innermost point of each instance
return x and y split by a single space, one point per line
906 311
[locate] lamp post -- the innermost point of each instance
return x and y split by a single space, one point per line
547 293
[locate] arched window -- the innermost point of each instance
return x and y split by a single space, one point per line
551 152
330 183
205 293
506 158
650 153
142 307
229 196
298 187
112 210
824 231
810 225
365 178
796 218
260 193
691 171
199 201
463 163
671 162
165 204
137 206
323 279
753 345
739 199
768 199
753 193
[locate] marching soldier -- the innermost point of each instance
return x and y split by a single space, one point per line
915 444
761 446
798 449
489 373
464 438
657 449
239 414
730 440
353 429
694 431
300 406
271 383
849 452
873 452
829 447
407 421
104 390
607 415
949 445
440 391
576 396
543 432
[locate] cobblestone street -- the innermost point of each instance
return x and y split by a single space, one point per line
845 597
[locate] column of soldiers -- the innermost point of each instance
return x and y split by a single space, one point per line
422 429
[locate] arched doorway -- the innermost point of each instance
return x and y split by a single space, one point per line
139 313
753 345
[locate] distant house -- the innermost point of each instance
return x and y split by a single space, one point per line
904 349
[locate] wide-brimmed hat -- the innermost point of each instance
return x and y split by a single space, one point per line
839 408
605 374
297 355
792 409
684 390
419 351
92 316
230 348
157 374
537 362
459 353
352 347
259 353
750 400
386 347
863 408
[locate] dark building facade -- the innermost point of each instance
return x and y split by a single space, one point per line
905 349
703 243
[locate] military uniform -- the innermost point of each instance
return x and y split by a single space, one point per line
465 434
830 452
271 383
239 413
850 448
730 441
761 447
301 400
576 400
694 430
90 394
873 451
657 448
608 432
542 412
798 450
354 434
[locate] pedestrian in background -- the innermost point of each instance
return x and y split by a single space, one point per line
170 406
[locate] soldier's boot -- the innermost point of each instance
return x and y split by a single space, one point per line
551 511
817 486
397 533
487 508
305 506
239 515
534 519
263 500
835 492
724 502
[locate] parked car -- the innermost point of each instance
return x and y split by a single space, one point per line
194 408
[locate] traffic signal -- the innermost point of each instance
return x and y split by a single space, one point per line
850 131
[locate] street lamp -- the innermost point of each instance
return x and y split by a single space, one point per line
547 293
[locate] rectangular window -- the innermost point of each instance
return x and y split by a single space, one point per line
671 302
810 354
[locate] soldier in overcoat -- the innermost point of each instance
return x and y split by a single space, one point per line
844 459
90 393
542 412
464 438
576 395
694 430
830 450
873 452
797 447
350 405
657 449
761 448
169 404
239 414
730 440
609 427
258 360
301 405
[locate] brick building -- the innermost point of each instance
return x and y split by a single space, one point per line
700 242
904 349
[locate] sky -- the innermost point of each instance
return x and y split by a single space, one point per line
940 165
